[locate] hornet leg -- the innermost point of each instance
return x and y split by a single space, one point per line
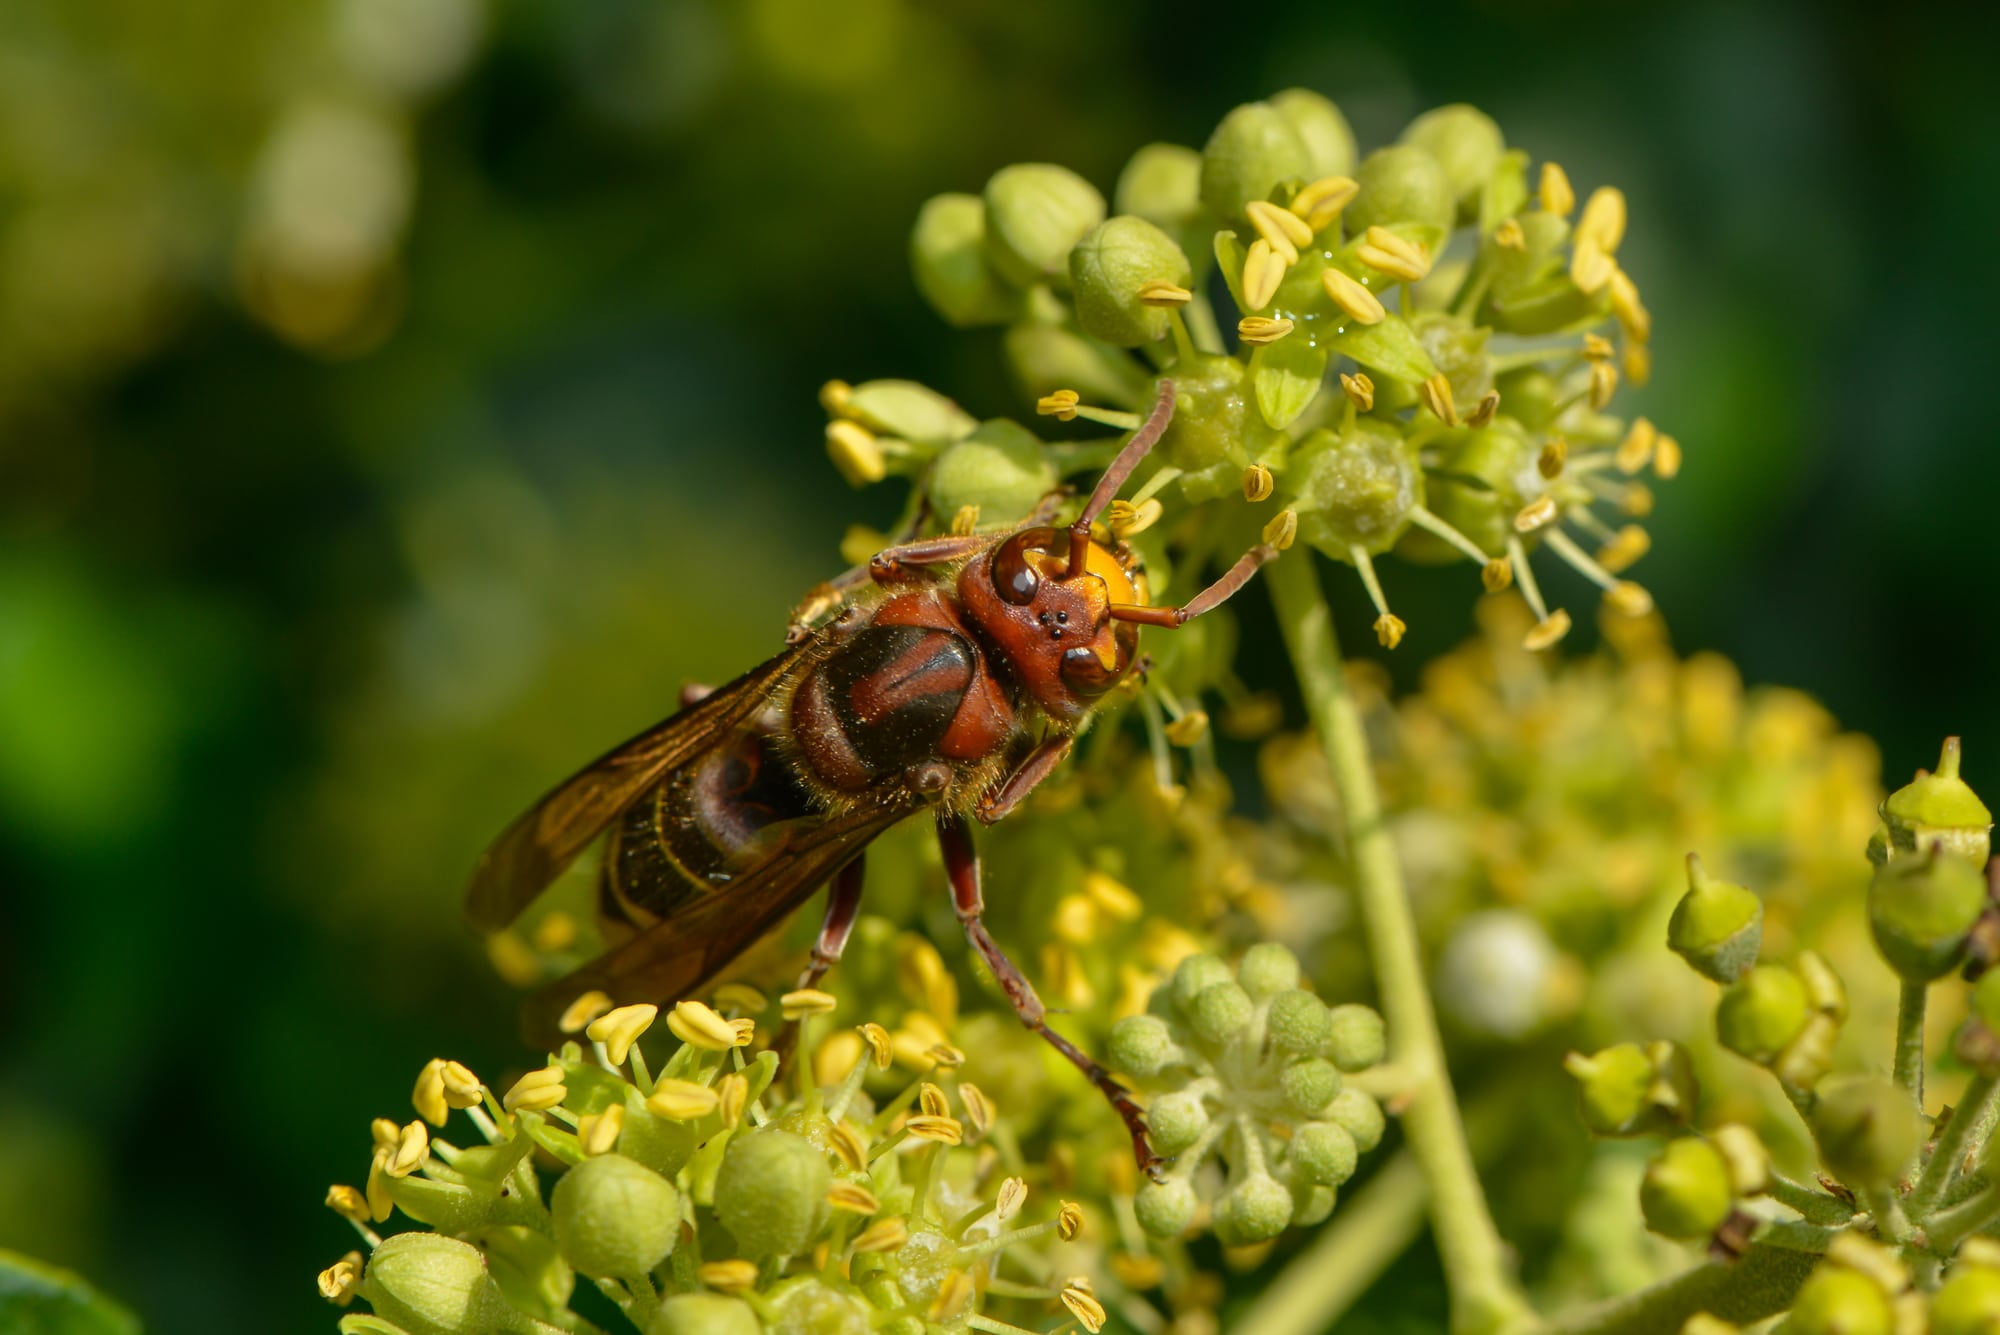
843 902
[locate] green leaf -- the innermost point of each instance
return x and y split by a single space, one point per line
1286 374
1229 255
39 1299
1388 347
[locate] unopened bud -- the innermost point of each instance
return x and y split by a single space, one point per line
1866 1128
1686 1190
1717 927
1922 907
1035 213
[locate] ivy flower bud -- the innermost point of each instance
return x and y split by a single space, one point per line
1310 1085
1268 969
1221 1012
1162 184
908 411
1940 808
1298 1022
771 1192
614 1217
1255 147
1629 1090
1359 1115
1837 1301
1323 1153
1686 1190
430 1284
1968 1303
1108 269
1165 1209
1000 467
1176 1121
1356 1038
1254 1210
948 260
1321 127
1354 489
1466 144
1036 211
1141 1045
1762 1012
704 1314
1922 907
1402 184
1866 1128
1193 976
1717 927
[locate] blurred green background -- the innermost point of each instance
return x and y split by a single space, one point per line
400 398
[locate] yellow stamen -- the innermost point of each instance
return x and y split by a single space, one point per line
1597 347
1320 202
1060 405
965 521
1638 500
462 1089
855 452
1667 458
1359 389
1636 450
979 1111
741 997
1632 314
1590 268
1257 483
1282 529
835 396
1137 1271
732 1276
835 1056
944 1130
1436 393
1393 255
1552 458
1389 630
856 545
1557 195
732 1095
582 1011
412 1152
1258 330
536 1091
879 1045
1069 1221
1628 599
380 1202
1075 921
1546 634
952 1296
1603 384
1638 364
1126 520
806 1001
348 1203
1263 270
922 974
849 1145
1603 220
1353 297
1536 513
597 1133
1113 896
555 932
1089 1312
1509 236
385 1132
852 1197
618 1030
1162 294
1189 728
339 1281
1013 1195
1496 574
931 1100
699 1027
945 1056
428 1096
1285 231
1488 407
884 1235
682 1100
1624 549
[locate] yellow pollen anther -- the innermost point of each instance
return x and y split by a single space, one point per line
1636 450
1590 268
1353 297
853 1198
944 1130
945 1056
1060 405
1667 458
618 1030
1136 1271
385 1132
855 452
682 1100
835 396
412 1152
1320 202
1075 921
1126 520
1484 412
1552 458
952 1296
597 1133
1556 193
1509 236
1069 1221
1389 629
931 1100
1359 389
1013 1195
1628 599
1436 393
1113 896
1497 574
1258 330
339 1281
555 932
536 1091
348 1203
965 521
979 1111
697 1026
732 1276
741 997
1631 313
1603 384
732 1095
1540 511
1393 255
1624 549
1162 294
1603 220
1638 364
884 1235
1638 500
880 1046
1597 347
428 1096
1263 270
849 1145
462 1089
1547 633
1282 529
806 1001
1089 1312
582 1011
1285 231
1189 728
1257 483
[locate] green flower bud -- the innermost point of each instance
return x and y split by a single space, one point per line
1216 422
1940 808
1837 1301
948 260
1530 396
1298 1022
1195 975
429 1284
1922 907
1356 1039
1313 1205
1310 1085
1221 1012
1142 1045
1165 1209
771 1192
907 409
1254 1210
1866 1128
1402 184
1685 1192
1458 348
704 1314
1968 1303
614 1217
1176 1121
1035 211
1268 969
1321 128
1001 468
1762 1012
1254 148
1628 1090
1109 266
1359 1115
1717 927
1978 1043
1046 357
1162 184
1355 490
1465 143
811 1306
1324 1152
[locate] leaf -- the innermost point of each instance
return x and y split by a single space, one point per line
1286 374
1389 347
39 1299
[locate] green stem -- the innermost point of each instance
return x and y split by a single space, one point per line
1951 1146
1947 1228
1370 1230
1910 1040
1760 1285
1891 1224
1816 1206
1794 1236
1483 1296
